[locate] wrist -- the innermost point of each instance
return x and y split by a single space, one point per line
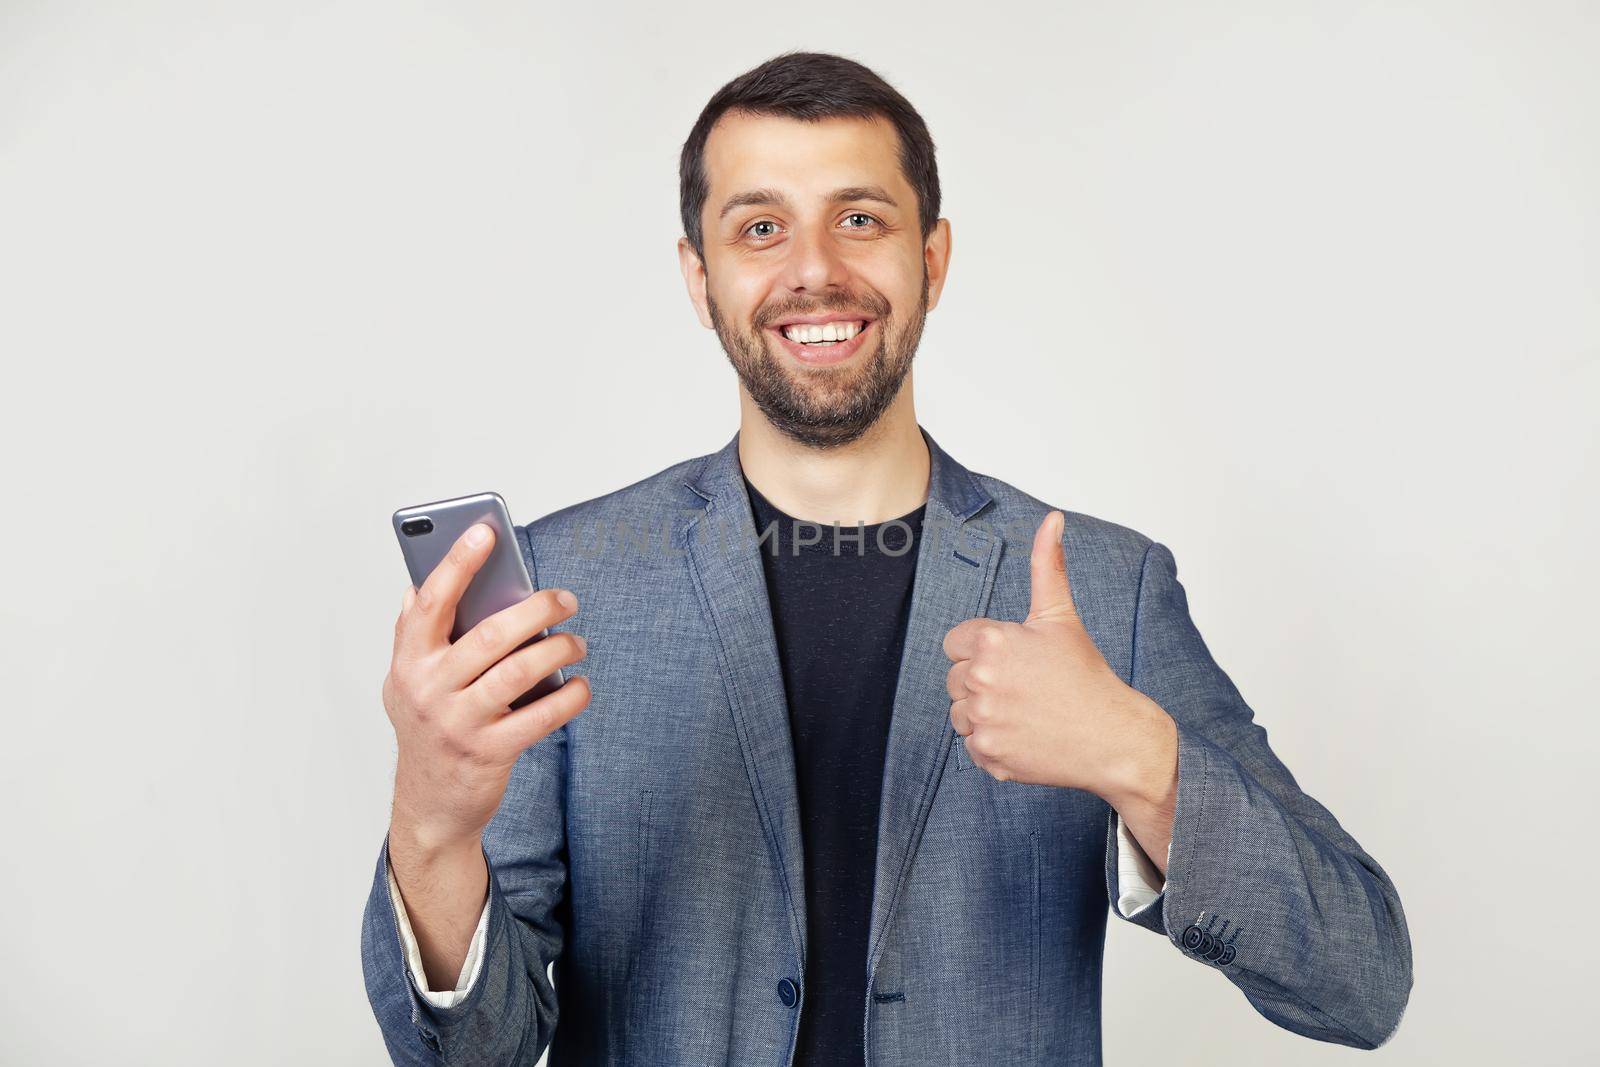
425 843
1147 771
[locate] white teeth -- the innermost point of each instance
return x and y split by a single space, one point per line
808 333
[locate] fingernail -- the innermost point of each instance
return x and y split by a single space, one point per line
567 599
478 534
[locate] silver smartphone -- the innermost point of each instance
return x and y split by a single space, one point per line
426 533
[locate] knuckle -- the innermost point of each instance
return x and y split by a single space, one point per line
501 681
415 696
978 745
543 720
474 751
488 633
456 743
519 676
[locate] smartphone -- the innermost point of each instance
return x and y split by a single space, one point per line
427 532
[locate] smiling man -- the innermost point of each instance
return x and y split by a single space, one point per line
866 746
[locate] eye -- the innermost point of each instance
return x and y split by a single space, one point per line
860 215
761 222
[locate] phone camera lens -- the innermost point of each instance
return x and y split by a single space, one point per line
416 527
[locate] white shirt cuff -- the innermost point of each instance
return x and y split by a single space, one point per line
1139 881
419 977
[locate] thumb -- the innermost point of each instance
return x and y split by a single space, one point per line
1052 595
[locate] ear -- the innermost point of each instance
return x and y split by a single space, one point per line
936 258
694 277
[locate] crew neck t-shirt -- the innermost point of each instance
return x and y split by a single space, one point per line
841 599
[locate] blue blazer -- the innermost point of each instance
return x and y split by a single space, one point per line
651 848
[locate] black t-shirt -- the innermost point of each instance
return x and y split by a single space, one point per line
841 598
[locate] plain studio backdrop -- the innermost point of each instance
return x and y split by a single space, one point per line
1308 293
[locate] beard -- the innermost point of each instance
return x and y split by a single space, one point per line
828 406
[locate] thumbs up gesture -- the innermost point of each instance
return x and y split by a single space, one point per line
1037 702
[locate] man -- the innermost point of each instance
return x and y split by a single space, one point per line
873 740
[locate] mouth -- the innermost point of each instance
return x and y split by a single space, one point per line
819 344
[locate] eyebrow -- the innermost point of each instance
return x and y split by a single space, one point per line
774 198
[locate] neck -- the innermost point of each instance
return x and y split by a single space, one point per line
882 475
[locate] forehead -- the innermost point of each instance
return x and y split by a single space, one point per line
805 159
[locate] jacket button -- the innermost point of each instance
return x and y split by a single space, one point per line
1214 953
1193 938
788 992
1227 955
430 1039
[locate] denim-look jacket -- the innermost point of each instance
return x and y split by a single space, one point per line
650 849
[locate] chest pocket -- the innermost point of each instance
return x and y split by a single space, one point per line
1015 805
958 753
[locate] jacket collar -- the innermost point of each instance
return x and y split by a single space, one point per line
719 478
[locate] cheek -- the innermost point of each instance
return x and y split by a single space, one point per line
746 298
739 288
897 284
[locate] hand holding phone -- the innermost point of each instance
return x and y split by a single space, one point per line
465 709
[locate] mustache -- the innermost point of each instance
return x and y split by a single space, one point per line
877 309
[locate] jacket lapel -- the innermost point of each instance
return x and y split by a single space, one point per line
955 571
725 562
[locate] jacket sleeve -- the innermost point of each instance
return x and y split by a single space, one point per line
1262 882
508 1014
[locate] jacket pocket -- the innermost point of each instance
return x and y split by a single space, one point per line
958 752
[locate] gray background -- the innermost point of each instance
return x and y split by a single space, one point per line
1309 293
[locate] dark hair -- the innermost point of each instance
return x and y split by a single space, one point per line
810 86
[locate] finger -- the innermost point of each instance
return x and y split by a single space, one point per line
527 726
1051 592
430 619
503 633
490 697
955 680
959 719
962 642
407 598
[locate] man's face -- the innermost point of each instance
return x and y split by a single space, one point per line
814 221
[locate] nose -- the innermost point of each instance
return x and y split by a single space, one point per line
814 263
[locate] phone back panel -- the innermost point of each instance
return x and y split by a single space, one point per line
502 580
